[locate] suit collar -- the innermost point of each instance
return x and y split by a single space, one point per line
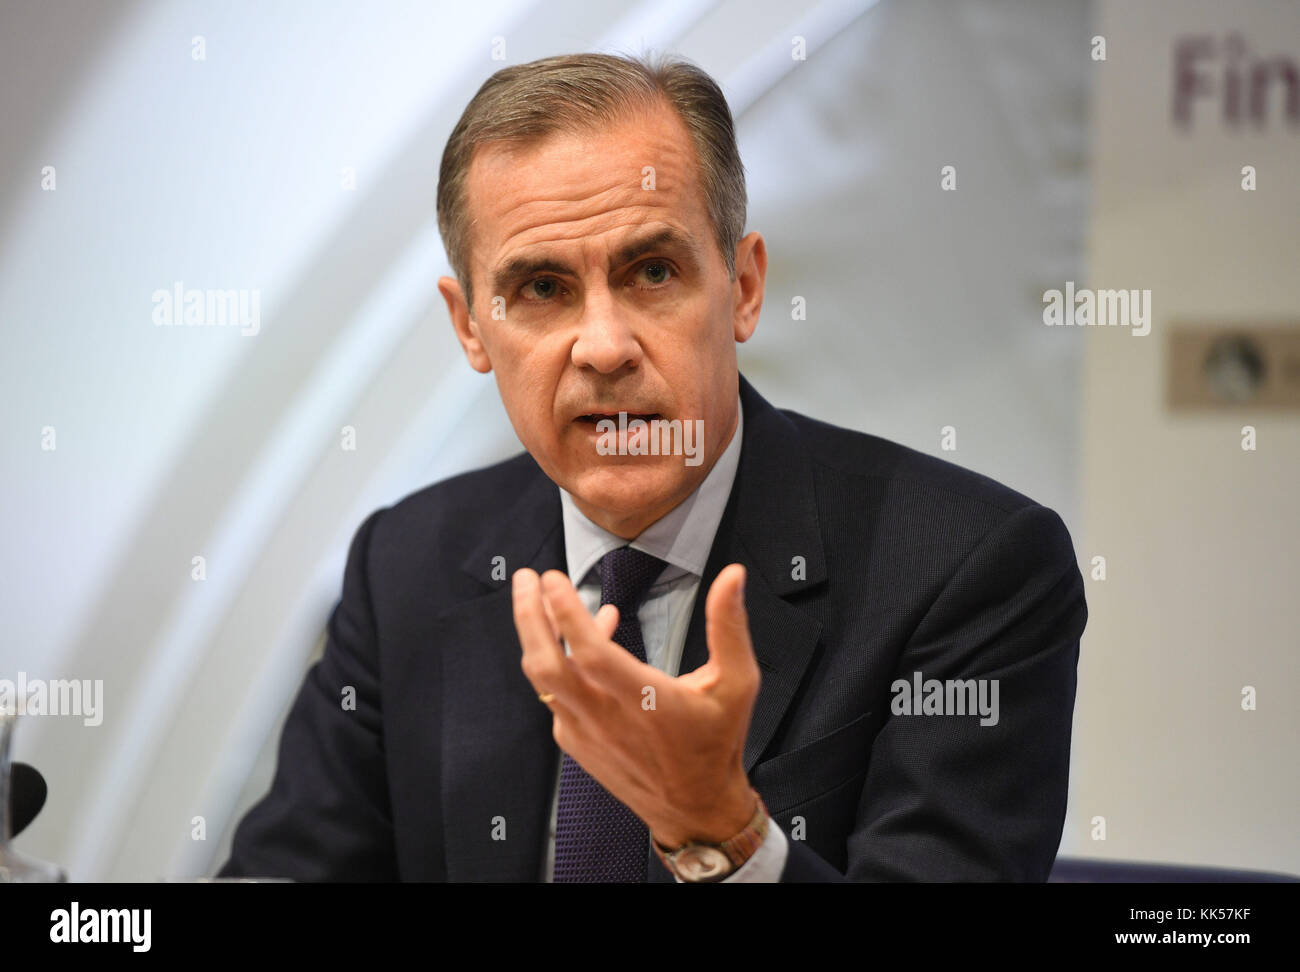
775 500
524 534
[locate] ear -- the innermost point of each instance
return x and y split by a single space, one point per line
466 327
747 291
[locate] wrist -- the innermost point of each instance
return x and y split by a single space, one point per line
709 861
722 820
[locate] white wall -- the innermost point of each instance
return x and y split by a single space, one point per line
1200 537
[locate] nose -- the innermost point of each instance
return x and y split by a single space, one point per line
605 341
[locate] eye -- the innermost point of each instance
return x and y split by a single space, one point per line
655 273
541 288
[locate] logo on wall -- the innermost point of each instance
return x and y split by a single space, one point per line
1224 76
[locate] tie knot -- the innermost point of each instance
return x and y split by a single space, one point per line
626 576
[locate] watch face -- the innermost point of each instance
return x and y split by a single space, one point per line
702 863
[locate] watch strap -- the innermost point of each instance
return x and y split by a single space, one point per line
738 848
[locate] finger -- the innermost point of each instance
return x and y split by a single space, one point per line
550 619
731 650
606 618
575 623
590 646
607 621
562 715
543 658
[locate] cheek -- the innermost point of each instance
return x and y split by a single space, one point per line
528 380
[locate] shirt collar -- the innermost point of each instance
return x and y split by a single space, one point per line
682 537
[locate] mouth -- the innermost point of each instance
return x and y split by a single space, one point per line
594 417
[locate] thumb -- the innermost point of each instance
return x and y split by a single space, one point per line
727 622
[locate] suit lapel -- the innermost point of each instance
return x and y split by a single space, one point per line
499 759
770 525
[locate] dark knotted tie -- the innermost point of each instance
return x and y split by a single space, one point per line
597 838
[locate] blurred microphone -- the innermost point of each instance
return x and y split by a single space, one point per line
27 792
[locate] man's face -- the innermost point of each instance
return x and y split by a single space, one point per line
599 288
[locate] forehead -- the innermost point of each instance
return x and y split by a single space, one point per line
593 188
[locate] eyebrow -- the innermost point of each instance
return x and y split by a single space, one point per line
508 274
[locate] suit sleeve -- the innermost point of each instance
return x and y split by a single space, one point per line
946 798
327 815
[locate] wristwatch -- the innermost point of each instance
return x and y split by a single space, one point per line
699 863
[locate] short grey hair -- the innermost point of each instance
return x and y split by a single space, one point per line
574 93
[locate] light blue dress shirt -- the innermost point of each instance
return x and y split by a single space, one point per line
682 538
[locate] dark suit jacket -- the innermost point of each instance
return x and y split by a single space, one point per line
910 564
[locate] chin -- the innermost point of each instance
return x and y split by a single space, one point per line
625 487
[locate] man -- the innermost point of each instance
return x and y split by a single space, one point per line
685 636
